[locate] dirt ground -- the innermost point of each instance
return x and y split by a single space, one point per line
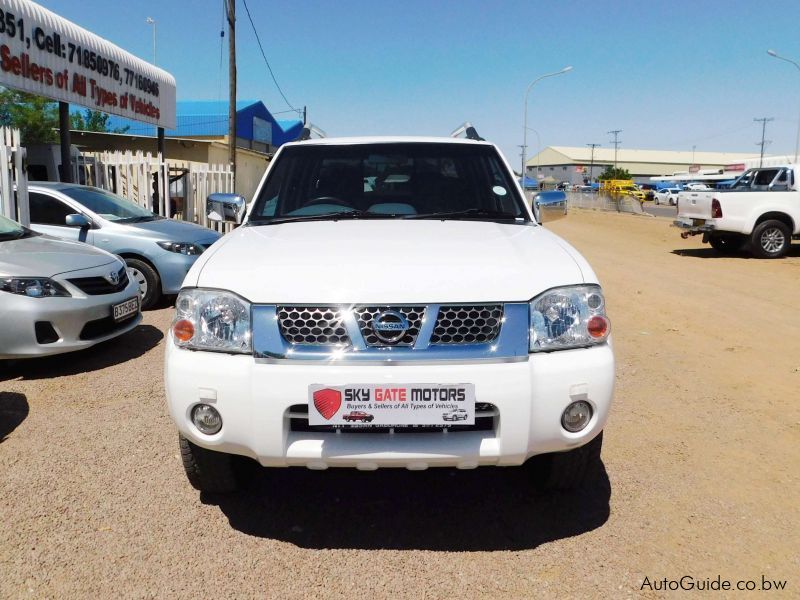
701 457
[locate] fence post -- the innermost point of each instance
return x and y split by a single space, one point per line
6 190
23 206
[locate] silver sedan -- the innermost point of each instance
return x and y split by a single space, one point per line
58 296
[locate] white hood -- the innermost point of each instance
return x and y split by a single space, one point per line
389 262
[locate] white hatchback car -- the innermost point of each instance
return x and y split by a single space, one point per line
58 296
403 278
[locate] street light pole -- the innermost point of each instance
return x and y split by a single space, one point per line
774 54
152 21
525 121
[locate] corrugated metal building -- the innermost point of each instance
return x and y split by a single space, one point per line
256 128
572 163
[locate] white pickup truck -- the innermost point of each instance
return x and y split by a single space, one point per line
762 209
376 289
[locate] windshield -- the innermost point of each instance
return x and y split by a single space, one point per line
107 205
11 230
395 180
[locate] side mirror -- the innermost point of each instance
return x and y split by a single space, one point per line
78 220
228 208
549 206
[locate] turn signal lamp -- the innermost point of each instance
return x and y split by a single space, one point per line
183 330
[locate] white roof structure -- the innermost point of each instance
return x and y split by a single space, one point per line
637 162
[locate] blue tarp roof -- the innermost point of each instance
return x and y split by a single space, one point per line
210 118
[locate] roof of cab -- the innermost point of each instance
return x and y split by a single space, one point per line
394 139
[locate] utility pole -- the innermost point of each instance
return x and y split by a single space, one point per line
232 84
763 121
616 142
591 163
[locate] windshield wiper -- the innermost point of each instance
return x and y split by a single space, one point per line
17 235
466 213
141 219
331 216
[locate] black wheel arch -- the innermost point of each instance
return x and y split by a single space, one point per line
142 258
776 216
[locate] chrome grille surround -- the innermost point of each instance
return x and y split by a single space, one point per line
270 344
313 325
467 324
366 314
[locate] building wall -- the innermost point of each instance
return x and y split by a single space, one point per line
250 168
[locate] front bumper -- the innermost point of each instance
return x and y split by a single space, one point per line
68 316
172 268
254 398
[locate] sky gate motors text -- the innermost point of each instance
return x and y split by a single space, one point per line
415 394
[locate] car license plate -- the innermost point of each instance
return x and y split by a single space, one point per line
123 310
392 404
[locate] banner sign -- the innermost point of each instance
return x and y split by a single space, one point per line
47 55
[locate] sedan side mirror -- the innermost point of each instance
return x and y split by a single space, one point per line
226 208
78 220
549 206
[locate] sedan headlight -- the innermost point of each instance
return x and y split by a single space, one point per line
568 317
212 320
34 287
182 248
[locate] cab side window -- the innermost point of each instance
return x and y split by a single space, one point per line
46 210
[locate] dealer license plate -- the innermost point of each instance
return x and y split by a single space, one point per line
123 310
392 404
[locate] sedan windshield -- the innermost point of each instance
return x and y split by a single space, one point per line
108 205
388 181
11 230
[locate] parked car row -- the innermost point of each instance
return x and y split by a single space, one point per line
58 293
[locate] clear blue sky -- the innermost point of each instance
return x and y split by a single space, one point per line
670 74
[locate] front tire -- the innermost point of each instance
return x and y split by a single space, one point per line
148 280
567 470
771 239
208 471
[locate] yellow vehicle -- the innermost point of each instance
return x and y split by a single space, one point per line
622 187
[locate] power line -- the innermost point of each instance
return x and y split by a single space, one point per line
247 10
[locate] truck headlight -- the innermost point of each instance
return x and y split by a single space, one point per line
182 248
33 287
212 320
568 317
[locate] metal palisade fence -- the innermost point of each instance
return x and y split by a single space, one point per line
13 177
170 188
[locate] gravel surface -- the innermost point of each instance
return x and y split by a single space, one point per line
701 465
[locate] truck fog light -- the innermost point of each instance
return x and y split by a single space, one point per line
206 419
576 416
